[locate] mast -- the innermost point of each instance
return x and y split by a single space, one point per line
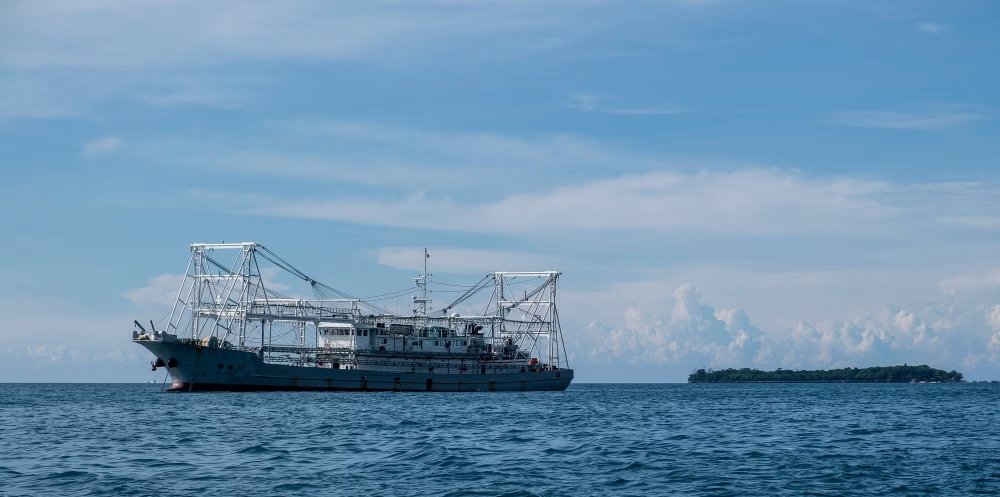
421 281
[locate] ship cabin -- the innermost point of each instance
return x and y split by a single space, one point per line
345 335
352 336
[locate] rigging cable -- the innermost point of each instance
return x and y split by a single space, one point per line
468 293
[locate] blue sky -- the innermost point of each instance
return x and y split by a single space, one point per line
764 184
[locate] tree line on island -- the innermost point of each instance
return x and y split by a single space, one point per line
885 374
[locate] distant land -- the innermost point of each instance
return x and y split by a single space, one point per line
884 374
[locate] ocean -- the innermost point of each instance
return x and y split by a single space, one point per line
593 439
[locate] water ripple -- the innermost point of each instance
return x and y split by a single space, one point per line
684 440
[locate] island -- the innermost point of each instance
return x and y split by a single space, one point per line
883 374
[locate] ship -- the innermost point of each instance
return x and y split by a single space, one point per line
233 328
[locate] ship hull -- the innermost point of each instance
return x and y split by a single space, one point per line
202 368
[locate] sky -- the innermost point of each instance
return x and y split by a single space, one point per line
795 184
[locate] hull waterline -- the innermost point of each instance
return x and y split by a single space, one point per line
203 368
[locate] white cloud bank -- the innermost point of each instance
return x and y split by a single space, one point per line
692 334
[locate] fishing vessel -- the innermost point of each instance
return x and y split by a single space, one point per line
232 329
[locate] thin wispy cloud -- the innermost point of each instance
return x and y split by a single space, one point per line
989 279
748 202
31 96
166 34
983 221
102 145
462 260
159 291
162 291
922 121
931 28
202 97
593 102
366 153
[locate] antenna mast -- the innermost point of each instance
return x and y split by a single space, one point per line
421 281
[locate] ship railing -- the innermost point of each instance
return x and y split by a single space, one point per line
471 367
295 349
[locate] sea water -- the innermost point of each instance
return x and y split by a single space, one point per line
607 439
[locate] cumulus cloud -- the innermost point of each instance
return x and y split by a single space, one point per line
993 318
693 334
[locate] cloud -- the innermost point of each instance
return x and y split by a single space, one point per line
36 96
993 347
945 336
203 96
437 184
756 202
463 260
102 145
984 222
112 34
988 279
367 153
927 121
931 28
72 93
77 343
692 334
591 102
62 354
159 291
64 60
747 202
